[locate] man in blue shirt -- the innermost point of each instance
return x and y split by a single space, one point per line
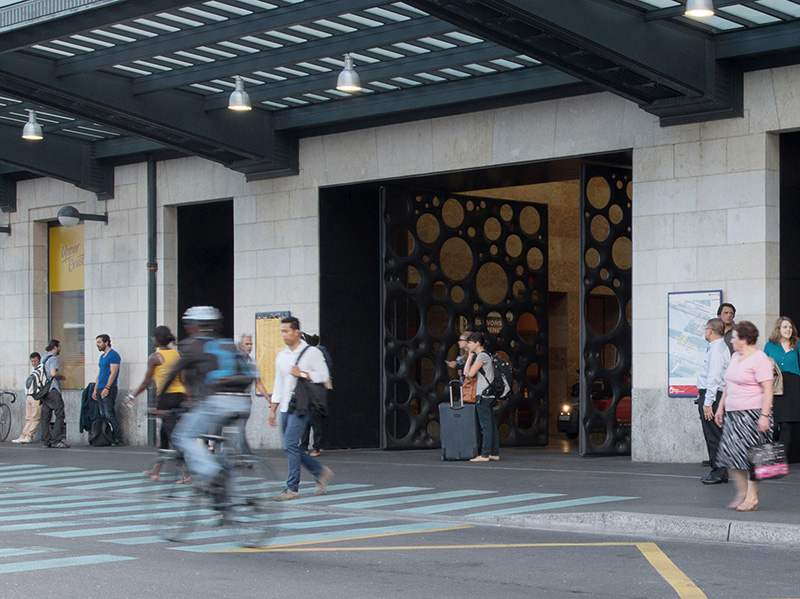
710 384
105 389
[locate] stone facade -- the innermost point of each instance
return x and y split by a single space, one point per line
705 216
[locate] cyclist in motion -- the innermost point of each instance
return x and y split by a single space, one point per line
218 380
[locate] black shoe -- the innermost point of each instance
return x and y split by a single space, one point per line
117 443
713 479
706 464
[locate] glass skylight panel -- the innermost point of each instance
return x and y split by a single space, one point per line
211 16
193 56
274 104
104 133
261 42
229 84
236 10
444 45
216 51
336 62
151 65
717 23
259 4
360 20
344 28
297 101
180 19
660 3
83 133
53 50
10 100
749 14
316 97
72 46
502 62
430 77
247 79
479 68
464 37
271 76
123 67
114 36
527 59
387 14
383 85
239 47
310 31
135 30
454 72
406 81
387 53
404 6
291 71
175 61
285 36
215 90
362 58
789 8
91 40
411 48
157 25
314 67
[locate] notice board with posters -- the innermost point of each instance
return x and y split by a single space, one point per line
268 343
687 314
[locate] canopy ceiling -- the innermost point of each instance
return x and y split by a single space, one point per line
113 81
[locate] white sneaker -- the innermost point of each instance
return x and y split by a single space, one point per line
22 440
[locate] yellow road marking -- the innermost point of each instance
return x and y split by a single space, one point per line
685 588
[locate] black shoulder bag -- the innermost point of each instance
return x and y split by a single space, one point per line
308 395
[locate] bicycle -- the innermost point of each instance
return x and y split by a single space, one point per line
5 414
243 502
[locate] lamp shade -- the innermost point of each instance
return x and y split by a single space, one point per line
699 8
32 129
239 99
348 79
69 216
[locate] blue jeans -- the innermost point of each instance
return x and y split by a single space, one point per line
210 414
106 406
488 421
294 425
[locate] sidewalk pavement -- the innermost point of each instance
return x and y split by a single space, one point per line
638 499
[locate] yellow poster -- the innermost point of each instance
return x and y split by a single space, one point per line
66 258
268 344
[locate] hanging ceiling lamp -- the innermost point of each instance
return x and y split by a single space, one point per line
32 129
239 99
348 79
699 8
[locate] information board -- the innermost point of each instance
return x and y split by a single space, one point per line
687 314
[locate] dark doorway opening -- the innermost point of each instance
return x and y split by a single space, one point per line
205 259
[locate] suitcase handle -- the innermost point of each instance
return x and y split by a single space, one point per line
460 394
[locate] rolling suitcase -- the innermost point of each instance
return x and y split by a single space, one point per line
458 427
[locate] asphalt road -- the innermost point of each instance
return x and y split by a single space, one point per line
73 524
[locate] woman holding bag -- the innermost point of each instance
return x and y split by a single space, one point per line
782 347
744 412
479 367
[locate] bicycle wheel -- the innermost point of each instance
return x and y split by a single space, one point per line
253 515
5 421
177 507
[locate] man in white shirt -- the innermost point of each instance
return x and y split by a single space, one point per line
298 361
710 384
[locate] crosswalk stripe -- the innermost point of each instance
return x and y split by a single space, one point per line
356 495
25 467
464 505
78 512
552 505
34 498
20 551
412 499
320 536
49 510
62 562
77 480
42 474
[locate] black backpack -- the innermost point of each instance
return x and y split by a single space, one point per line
37 385
499 388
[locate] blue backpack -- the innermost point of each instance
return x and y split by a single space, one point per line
233 374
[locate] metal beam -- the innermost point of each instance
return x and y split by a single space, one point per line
85 20
401 67
188 39
748 43
58 157
453 97
8 194
292 54
175 119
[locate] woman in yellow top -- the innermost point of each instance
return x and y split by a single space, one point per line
159 365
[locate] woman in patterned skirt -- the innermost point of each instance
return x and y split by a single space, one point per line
744 412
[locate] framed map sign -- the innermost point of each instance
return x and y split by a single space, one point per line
687 314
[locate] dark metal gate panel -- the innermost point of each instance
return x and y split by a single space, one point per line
605 402
446 258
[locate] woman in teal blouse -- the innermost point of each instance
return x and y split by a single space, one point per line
782 347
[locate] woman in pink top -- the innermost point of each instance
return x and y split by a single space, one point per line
746 408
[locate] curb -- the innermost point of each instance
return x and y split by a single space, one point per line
669 527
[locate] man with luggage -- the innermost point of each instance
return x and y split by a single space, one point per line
106 383
297 361
53 403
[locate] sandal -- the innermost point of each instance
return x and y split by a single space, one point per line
748 507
